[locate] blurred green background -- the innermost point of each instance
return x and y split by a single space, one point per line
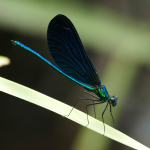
116 37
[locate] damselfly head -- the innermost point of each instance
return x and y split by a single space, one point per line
113 101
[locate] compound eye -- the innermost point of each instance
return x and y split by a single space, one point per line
114 101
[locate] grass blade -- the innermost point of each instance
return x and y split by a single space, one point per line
60 108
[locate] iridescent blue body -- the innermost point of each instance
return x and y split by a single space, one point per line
100 90
68 53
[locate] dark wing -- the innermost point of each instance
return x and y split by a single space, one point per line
68 52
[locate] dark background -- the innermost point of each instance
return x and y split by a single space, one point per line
115 35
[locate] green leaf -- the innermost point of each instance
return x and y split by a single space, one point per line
4 61
60 108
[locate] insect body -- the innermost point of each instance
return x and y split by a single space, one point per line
68 53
